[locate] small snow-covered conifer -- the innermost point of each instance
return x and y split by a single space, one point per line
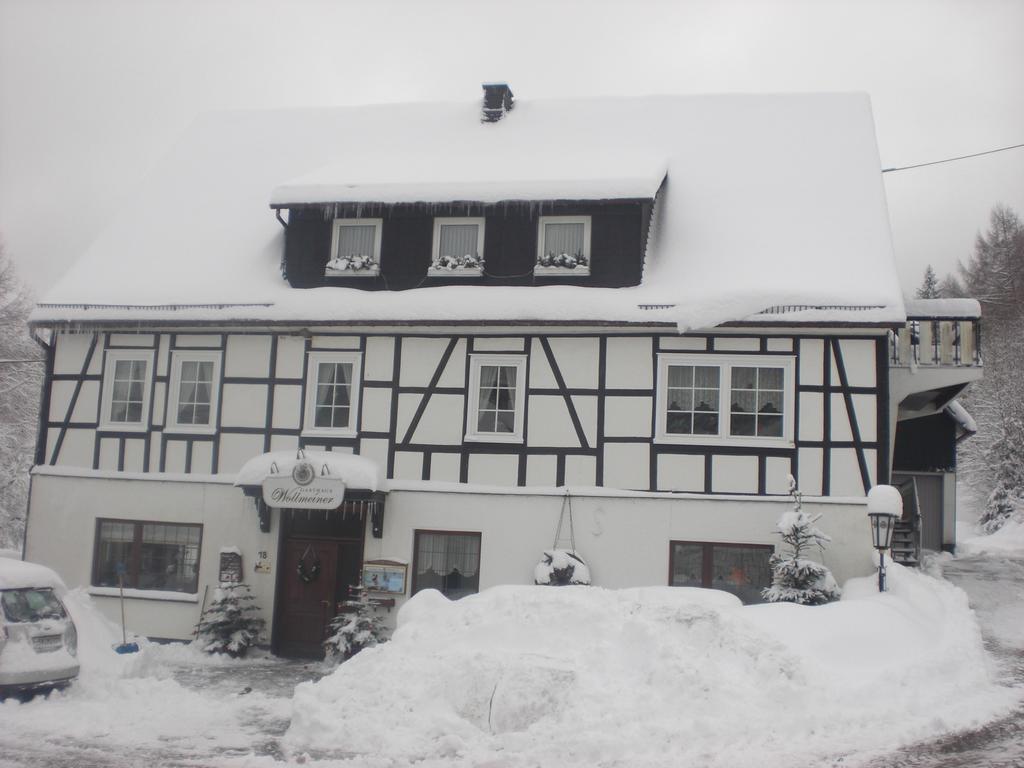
228 624
358 626
796 579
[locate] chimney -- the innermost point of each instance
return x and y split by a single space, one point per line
497 102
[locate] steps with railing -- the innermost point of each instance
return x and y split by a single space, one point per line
906 543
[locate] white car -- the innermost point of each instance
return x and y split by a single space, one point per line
38 639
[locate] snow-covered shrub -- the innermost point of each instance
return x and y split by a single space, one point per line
469 261
228 624
358 626
795 579
564 260
559 567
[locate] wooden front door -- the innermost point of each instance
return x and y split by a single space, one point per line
307 604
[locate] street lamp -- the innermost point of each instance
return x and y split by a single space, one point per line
885 507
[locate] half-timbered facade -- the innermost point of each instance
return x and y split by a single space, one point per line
495 346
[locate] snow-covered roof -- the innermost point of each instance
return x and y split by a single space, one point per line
770 200
354 471
944 308
960 415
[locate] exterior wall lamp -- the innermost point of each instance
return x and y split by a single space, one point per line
885 507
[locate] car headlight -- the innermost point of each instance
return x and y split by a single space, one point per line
71 639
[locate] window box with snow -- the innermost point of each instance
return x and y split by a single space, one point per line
355 248
458 248
563 246
194 392
332 394
127 381
734 400
497 398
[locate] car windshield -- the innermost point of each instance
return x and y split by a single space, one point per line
34 604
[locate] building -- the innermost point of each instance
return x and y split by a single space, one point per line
625 320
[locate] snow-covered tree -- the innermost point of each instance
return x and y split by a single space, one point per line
992 462
930 286
358 626
795 578
229 625
561 567
21 372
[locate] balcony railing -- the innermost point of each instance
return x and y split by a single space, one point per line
936 341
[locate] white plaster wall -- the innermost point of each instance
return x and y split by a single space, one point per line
63 529
247 356
71 351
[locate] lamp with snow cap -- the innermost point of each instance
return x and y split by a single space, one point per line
885 507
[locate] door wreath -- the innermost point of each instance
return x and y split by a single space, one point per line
308 571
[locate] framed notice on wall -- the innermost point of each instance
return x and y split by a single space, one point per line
230 566
387 576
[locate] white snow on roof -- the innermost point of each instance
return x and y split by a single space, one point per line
355 471
18 574
946 308
769 200
961 416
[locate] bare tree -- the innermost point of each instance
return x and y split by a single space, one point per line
21 372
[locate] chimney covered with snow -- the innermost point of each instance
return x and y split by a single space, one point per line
497 102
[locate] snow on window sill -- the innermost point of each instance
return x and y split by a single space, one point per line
454 272
580 271
147 594
328 272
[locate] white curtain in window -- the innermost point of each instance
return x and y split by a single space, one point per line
563 238
458 240
356 240
442 553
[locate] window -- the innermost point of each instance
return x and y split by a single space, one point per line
448 562
497 396
563 246
195 390
741 569
741 400
332 393
355 248
126 384
458 247
158 556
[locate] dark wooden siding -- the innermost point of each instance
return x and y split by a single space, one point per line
925 444
618 237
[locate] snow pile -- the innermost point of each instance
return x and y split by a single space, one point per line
18 574
658 676
1008 540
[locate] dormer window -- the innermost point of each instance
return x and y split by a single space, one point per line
458 247
355 248
563 246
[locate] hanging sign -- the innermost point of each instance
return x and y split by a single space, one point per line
303 488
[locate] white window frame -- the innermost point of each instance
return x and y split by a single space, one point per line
558 271
725 364
314 359
472 416
436 249
378 225
113 356
178 359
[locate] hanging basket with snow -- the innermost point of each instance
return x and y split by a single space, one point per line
561 567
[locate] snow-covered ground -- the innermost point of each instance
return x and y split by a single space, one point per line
540 676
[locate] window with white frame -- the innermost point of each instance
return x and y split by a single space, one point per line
355 248
332 393
563 245
725 398
497 398
458 246
127 379
194 392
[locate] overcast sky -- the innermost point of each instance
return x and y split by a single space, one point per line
93 92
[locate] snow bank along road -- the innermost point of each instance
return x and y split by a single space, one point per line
522 676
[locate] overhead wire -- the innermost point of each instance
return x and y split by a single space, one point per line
952 159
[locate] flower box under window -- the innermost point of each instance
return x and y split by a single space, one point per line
355 248
562 264
456 266
458 247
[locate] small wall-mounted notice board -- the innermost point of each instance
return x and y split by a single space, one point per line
385 576
230 565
